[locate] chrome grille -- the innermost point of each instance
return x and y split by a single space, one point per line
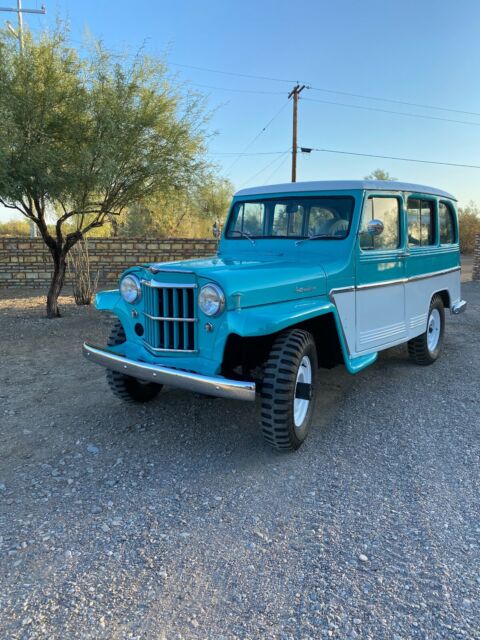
170 316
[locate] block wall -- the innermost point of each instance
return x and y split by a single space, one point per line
27 262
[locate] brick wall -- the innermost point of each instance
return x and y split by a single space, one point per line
25 262
476 258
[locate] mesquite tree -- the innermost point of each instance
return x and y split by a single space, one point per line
84 137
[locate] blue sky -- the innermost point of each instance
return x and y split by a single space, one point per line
419 52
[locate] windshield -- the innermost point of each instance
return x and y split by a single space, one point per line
325 217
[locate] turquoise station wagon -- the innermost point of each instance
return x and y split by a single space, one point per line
307 275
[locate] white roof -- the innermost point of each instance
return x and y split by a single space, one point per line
343 185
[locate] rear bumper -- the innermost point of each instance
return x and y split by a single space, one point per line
209 385
459 307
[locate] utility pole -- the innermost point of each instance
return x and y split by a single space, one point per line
294 93
18 33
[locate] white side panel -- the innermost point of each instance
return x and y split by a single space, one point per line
345 303
420 292
380 316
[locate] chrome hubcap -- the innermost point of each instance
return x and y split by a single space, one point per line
433 330
300 406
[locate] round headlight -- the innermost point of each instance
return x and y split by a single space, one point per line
130 289
211 300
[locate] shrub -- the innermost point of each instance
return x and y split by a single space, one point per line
84 285
469 223
14 228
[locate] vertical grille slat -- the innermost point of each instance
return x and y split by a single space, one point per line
170 318
185 314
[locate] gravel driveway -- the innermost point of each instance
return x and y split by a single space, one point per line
174 520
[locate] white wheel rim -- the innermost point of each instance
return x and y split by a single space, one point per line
300 407
433 330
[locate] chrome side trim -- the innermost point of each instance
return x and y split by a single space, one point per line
209 385
169 285
169 319
458 307
388 283
385 283
432 274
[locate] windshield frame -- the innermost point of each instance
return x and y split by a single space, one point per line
268 218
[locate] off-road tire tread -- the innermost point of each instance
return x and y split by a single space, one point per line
120 384
417 347
279 376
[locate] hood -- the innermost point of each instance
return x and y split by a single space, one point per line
251 282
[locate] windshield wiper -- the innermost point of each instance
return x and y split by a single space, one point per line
244 234
322 236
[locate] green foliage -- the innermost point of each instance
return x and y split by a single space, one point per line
14 228
85 137
379 174
180 212
469 223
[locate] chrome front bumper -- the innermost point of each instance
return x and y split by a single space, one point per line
459 307
212 386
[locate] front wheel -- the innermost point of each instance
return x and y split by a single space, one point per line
125 387
426 348
288 390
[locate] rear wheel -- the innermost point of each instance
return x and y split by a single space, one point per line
426 348
288 390
125 387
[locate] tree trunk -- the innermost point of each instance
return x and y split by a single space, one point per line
56 284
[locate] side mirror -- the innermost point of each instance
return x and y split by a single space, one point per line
375 227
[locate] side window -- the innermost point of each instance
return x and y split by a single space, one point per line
249 219
387 210
421 222
446 224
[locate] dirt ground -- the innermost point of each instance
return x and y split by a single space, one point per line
174 520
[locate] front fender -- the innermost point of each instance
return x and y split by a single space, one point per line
107 300
268 319
264 320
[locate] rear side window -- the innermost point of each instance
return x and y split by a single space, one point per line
421 222
446 224
387 210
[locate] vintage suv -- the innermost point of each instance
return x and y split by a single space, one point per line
307 275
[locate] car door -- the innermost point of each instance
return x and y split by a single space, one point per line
380 274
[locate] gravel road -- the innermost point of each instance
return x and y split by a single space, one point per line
174 520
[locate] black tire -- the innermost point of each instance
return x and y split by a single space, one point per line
125 387
279 389
418 348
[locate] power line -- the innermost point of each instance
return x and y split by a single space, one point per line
270 176
399 113
409 104
372 155
323 89
231 73
257 136
267 166
207 86
252 153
